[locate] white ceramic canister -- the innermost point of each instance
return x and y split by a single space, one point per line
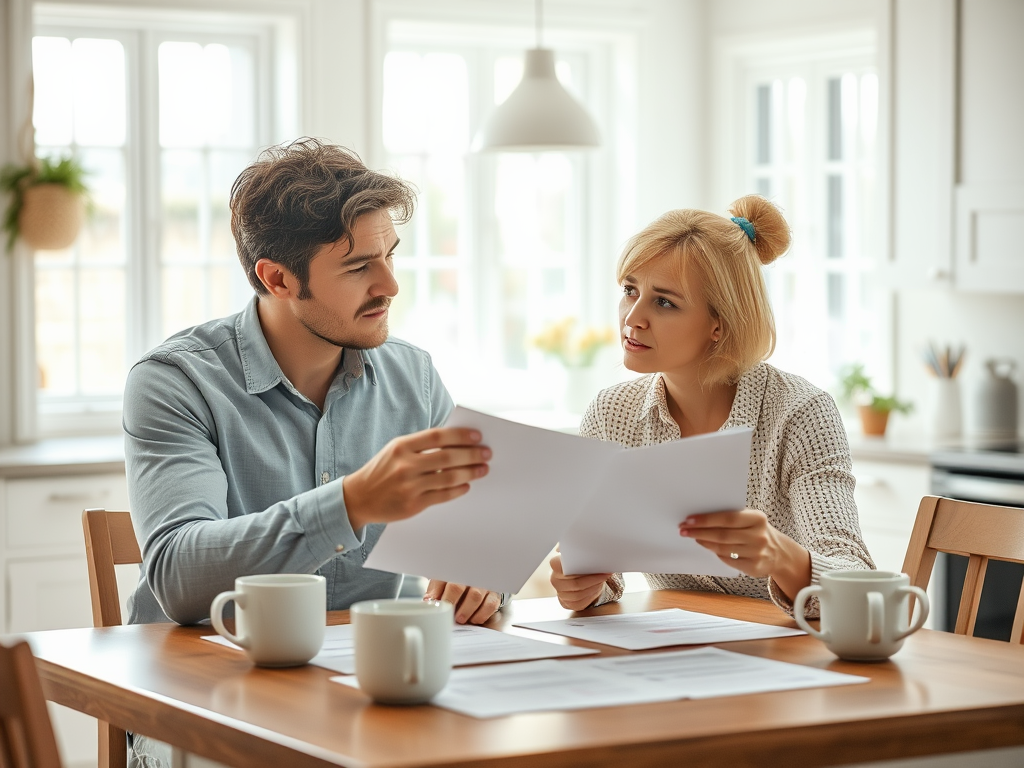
995 406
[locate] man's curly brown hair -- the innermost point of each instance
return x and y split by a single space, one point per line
298 197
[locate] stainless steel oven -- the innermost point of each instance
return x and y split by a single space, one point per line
992 477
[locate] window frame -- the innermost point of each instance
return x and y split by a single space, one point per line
272 38
736 59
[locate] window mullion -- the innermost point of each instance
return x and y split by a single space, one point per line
149 213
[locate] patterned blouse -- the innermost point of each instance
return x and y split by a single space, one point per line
799 470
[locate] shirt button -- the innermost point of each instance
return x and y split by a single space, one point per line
340 548
325 478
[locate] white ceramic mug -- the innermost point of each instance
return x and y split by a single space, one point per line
864 614
403 648
280 618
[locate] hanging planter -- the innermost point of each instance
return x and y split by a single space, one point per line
47 203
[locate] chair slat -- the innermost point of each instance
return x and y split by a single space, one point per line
970 597
1017 633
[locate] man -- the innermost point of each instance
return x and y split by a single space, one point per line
281 439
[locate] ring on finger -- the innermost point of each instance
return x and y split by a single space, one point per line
734 556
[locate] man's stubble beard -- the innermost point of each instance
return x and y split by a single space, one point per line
353 343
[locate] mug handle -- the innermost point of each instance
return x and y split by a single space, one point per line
876 616
922 615
798 611
413 655
217 616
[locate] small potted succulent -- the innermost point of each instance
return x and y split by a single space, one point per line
874 409
47 202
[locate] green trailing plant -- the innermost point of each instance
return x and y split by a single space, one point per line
15 179
855 387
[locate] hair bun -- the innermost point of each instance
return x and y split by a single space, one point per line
772 236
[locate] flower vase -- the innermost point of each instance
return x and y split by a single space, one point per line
579 389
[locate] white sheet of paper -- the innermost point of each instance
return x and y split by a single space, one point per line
537 686
703 673
495 536
631 521
659 629
470 645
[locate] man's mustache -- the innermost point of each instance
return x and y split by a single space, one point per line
374 305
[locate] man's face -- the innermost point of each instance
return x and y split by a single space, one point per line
350 291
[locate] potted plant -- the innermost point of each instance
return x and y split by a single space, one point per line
874 409
47 202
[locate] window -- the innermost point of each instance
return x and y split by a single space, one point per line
163 117
501 244
812 146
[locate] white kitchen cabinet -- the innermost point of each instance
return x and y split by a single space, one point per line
45 580
990 184
957 161
48 594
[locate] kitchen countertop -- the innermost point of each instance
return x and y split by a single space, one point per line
102 454
64 456
903 450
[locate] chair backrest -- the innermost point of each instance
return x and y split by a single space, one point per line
109 541
979 531
26 735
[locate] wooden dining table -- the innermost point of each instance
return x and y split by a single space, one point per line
940 693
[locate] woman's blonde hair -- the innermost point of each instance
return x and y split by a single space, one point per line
727 262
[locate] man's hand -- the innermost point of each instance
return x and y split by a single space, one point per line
412 472
575 592
472 605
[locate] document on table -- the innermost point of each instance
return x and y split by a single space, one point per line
658 629
470 645
537 686
631 523
612 508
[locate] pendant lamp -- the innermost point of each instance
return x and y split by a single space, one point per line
539 115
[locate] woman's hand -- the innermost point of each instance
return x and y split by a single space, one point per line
472 605
575 592
761 549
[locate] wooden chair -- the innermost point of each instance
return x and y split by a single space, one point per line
109 541
979 531
26 735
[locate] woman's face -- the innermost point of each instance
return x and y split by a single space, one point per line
661 330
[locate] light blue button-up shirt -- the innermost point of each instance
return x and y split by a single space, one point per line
231 471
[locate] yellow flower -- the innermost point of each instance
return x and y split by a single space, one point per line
575 350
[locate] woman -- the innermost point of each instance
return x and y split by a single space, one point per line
695 318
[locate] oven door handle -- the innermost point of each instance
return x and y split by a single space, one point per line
984 489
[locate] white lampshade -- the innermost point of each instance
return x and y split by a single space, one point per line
539 114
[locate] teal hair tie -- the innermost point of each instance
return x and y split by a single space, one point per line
746 226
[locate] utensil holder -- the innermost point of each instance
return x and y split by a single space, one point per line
945 418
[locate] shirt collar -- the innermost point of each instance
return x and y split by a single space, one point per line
655 401
262 371
746 406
